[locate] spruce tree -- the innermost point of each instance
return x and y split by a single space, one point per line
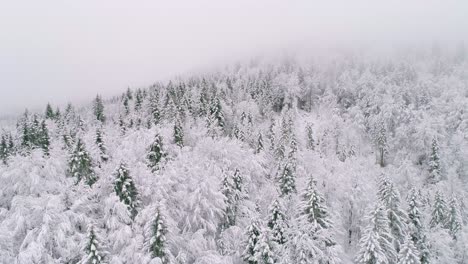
439 211
227 189
376 242
277 223
416 228
80 165
178 133
454 220
287 179
93 249
44 139
155 112
156 154
381 143
314 208
126 105
98 108
49 113
409 253
434 163
253 236
138 100
125 189
4 151
216 112
310 138
397 218
264 250
122 125
157 239
101 145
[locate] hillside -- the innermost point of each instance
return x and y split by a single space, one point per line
350 159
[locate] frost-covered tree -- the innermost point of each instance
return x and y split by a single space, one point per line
155 112
409 253
156 154
157 237
277 223
216 111
286 179
264 250
49 113
310 137
434 163
454 220
250 253
259 145
99 139
415 226
234 193
125 189
126 105
314 208
95 253
44 139
376 242
390 198
439 211
138 100
4 150
381 142
98 108
80 165
178 133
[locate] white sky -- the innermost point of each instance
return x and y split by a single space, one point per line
64 50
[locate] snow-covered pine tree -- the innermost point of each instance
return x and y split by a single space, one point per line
434 163
4 151
93 249
126 105
287 179
80 165
381 142
156 154
178 132
310 137
155 113
122 125
98 108
264 249
49 113
138 100
216 110
253 237
314 208
415 226
390 198
376 242
44 139
157 237
227 189
259 146
408 253
454 220
277 223
125 189
440 211
101 145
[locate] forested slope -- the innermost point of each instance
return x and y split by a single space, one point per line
349 159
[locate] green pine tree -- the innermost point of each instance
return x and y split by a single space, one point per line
93 249
310 138
178 133
440 211
101 145
98 108
44 139
277 223
434 163
156 154
125 189
157 239
49 113
454 219
253 237
287 179
80 165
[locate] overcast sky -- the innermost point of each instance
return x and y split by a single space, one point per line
64 50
